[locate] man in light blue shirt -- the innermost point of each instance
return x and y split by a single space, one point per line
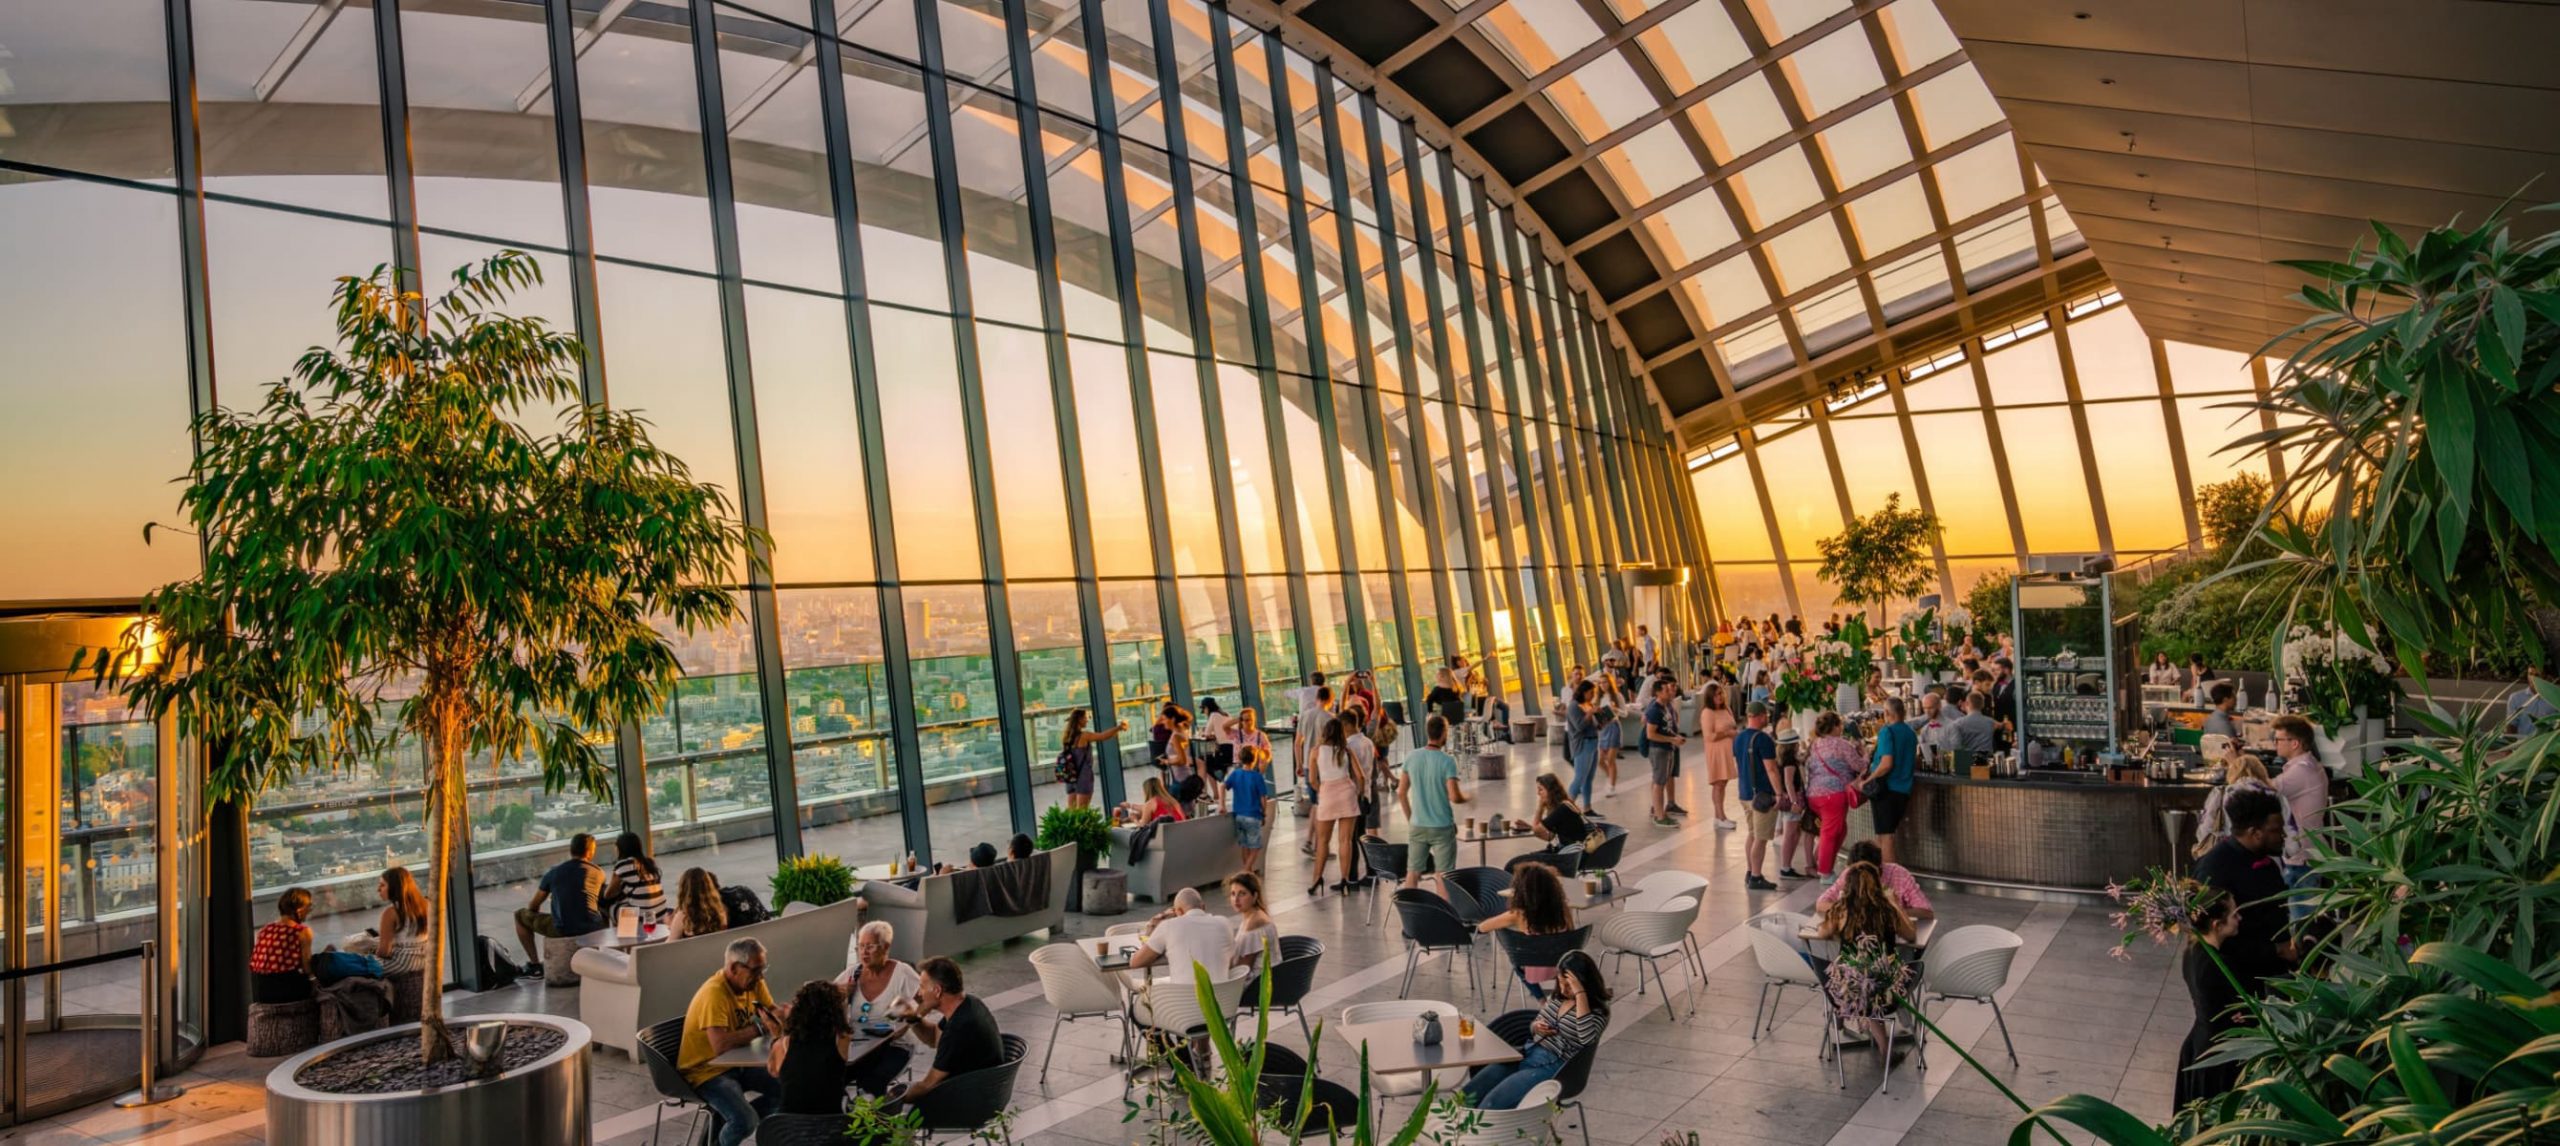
1428 790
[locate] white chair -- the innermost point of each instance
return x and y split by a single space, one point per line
1077 989
1407 1085
1664 886
1650 937
1776 949
1972 964
1530 1123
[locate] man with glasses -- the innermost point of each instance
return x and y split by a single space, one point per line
732 1009
2304 784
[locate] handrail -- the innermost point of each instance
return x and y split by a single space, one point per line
16 973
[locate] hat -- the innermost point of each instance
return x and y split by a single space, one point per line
1787 735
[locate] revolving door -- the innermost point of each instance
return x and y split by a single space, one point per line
101 840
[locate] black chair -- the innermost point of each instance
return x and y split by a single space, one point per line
965 1102
1431 925
1482 889
1613 844
1526 950
802 1130
1513 1027
659 1045
1332 1106
1293 974
1385 860
1567 860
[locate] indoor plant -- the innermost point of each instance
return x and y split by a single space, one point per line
816 880
384 536
1881 557
1088 831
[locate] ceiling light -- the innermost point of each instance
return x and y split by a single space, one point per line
2106 81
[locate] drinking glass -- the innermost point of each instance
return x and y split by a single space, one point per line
1466 1028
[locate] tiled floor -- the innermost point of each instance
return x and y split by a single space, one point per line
2082 1022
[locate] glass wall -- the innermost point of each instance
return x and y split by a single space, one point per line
1137 373
2153 416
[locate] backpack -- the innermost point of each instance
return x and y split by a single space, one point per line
1069 766
496 970
743 906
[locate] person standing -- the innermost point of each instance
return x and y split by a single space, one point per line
1662 741
1075 756
2240 770
575 890
1307 738
1608 703
731 1009
1715 726
2219 722
2245 868
1581 737
2161 671
1428 791
1896 762
2304 785
1337 816
2217 1005
1831 767
1753 752
1975 731
1249 802
1644 648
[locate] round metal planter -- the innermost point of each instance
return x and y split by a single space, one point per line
542 1103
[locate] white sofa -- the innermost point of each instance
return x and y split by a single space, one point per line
627 990
925 924
1199 852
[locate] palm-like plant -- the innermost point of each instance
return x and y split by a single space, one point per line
384 537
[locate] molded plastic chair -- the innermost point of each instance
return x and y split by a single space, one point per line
1385 859
1513 1028
1430 925
1332 1105
1651 937
1530 1122
1293 974
1613 844
1567 860
1662 887
1483 888
1077 989
1972 964
1776 949
1407 1084
659 1045
1526 950
968 1101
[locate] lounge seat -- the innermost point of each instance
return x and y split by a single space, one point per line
627 990
1193 853
926 924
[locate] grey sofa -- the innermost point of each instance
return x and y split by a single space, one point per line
627 990
926 925
1199 852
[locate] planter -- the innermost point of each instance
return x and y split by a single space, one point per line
540 1103
1085 861
2351 749
1846 699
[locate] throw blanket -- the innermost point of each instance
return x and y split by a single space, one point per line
355 1005
1141 838
1009 889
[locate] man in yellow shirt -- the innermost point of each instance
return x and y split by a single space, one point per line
731 1010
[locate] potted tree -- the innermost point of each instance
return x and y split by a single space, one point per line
391 550
1881 557
1087 831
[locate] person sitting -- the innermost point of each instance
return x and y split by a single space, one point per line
1020 847
699 910
808 1059
575 890
1538 907
401 933
1181 935
2218 722
982 854
878 988
1256 934
1159 804
959 1028
635 880
731 1009
1559 822
280 958
1573 1017
1898 883
1861 912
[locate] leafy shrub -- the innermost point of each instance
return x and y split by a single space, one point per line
2228 510
1988 601
1083 827
816 880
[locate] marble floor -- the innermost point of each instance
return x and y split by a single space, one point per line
2081 1022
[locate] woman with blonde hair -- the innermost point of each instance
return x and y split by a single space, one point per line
698 907
2240 769
402 946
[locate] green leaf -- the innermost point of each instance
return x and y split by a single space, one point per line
2105 1119
2410 1068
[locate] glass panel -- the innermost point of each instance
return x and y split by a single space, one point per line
1308 488
1873 462
325 103
1913 283
1891 216
1799 477
1275 642
1739 117
2143 507
1048 641
1808 254
1956 451
662 348
1755 351
1115 496
1727 290
1838 315
71 60
2197 369
2209 424
893 181
1691 228
987 146
1135 631
1776 188
2052 490
2112 356
1978 179
1864 146
1752 590
2025 371
956 719
931 499
1249 472
1918 33
1022 446
1602 96
1952 106
1693 45
786 208
644 151
1655 160
706 762
95 348
842 757
483 164
1832 71
810 436
1729 509
1534 34
1208 633
1997 249
1183 439
1360 476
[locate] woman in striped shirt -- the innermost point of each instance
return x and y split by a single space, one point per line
635 879
1575 1014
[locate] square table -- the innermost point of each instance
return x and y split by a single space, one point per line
1482 839
1393 1051
755 1053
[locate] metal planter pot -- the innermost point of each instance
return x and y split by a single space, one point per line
543 1103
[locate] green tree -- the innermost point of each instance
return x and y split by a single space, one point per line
1988 601
2228 510
385 530
513 819
1881 557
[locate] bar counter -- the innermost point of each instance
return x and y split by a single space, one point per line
2049 837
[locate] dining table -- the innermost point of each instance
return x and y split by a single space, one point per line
1922 930
1392 1049
755 1053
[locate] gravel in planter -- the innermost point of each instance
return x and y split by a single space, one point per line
392 1064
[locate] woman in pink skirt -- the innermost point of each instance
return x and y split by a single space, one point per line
1339 783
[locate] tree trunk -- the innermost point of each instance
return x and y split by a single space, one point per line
444 801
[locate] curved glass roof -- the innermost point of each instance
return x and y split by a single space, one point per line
1757 187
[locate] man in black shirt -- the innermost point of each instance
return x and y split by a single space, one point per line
965 1038
2243 866
574 890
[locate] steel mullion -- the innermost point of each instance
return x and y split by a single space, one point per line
1532 306
973 415
2177 442
1425 485
1275 429
729 264
1583 448
1213 420
1471 538
1605 513
1546 402
887 597
1133 341
1355 605
1508 344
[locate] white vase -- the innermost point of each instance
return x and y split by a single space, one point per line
1847 698
2341 752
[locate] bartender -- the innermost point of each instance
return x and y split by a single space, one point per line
2219 722
1975 731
